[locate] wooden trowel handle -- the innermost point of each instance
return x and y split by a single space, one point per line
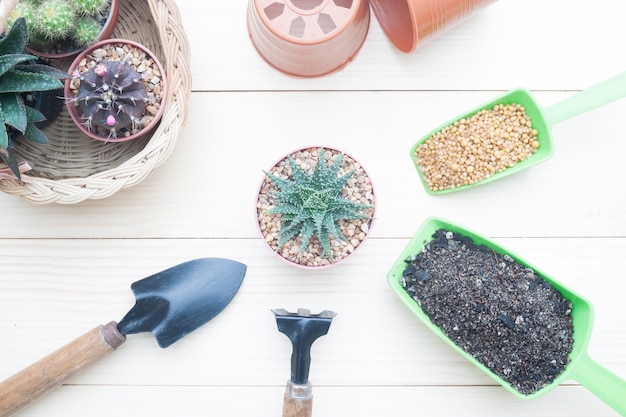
298 401
51 371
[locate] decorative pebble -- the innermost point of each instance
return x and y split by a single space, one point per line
473 149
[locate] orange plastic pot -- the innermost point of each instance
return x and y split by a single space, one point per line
409 23
308 38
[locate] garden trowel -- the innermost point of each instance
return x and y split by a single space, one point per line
169 304
302 328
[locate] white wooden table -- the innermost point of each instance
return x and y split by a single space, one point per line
66 269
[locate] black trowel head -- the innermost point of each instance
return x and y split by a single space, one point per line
172 303
302 328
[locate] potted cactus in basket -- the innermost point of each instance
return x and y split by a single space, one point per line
315 207
21 77
62 28
117 90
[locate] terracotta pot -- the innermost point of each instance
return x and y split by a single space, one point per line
359 186
158 90
409 23
308 38
105 33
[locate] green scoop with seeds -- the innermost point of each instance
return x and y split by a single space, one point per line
542 121
603 383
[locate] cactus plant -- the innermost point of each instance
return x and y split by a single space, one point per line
112 96
20 75
86 30
117 91
62 26
89 7
55 19
313 205
22 9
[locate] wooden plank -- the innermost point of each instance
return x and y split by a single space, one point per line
207 187
399 401
55 290
558 44
66 269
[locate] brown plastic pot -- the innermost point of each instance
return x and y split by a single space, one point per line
313 258
87 59
409 23
308 38
105 33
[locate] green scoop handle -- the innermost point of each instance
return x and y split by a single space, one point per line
603 383
598 95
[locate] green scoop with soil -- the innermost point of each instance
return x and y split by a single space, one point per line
543 119
603 383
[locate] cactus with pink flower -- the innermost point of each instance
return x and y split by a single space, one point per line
112 97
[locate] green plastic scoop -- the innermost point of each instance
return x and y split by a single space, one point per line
542 119
600 381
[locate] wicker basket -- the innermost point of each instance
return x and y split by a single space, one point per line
73 167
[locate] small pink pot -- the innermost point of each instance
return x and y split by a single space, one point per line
105 33
409 23
88 54
267 186
308 38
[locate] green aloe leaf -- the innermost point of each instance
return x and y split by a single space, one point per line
299 176
325 242
43 69
16 39
4 136
331 226
9 61
307 232
33 134
22 82
287 232
10 159
14 111
34 115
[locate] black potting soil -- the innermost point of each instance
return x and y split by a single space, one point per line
497 310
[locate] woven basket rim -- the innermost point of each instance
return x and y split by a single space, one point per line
175 45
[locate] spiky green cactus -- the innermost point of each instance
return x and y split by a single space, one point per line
20 75
90 7
313 205
55 19
86 31
25 9
52 21
113 97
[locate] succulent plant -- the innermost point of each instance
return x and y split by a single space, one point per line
313 205
89 7
51 21
22 9
86 30
112 96
55 19
20 76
